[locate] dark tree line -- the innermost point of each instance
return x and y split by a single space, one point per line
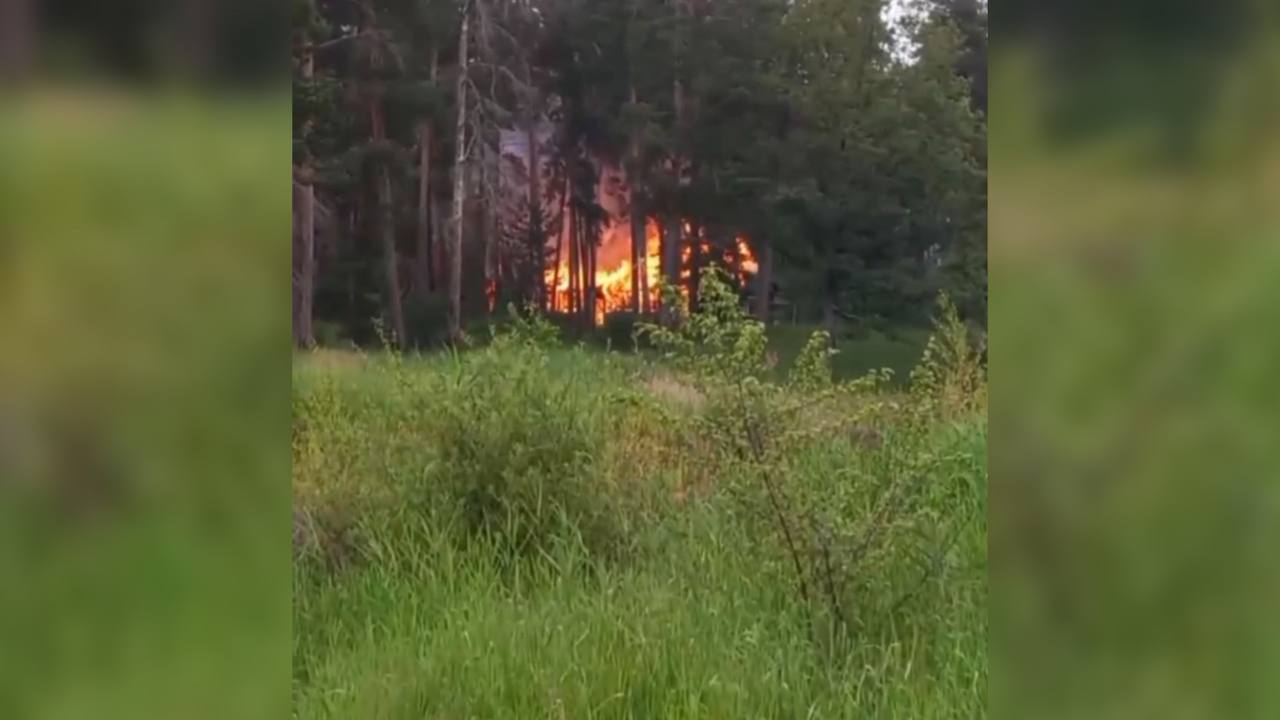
452 155
204 41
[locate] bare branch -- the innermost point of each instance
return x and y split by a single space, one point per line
347 38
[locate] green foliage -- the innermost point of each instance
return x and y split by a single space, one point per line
882 184
798 121
837 507
812 369
498 440
896 348
695 631
719 340
951 377
516 444
583 588
529 329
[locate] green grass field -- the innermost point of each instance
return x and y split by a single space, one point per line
521 532
856 354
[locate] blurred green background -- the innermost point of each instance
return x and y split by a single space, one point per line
144 359
144 405
1135 168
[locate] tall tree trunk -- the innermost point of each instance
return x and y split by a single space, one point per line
560 240
488 255
671 246
589 236
574 261
695 265
307 266
305 333
439 235
490 251
537 226
638 265
671 241
459 182
425 281
387 230
639 261
584 266
646 282
386 224
764 281
423 251
639 224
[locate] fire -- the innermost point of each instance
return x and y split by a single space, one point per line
613 276
747 260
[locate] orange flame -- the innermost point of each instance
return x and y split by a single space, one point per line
747 262
614 268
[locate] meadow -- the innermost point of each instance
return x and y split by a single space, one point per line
529 529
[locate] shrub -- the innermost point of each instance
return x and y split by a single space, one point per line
517 445
950 379
858 526
812 369
719 343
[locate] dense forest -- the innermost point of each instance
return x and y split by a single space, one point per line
452 157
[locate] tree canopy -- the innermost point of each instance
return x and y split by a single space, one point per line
794 142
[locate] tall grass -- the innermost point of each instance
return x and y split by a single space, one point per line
528 531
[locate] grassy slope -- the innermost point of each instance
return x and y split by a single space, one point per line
696 622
